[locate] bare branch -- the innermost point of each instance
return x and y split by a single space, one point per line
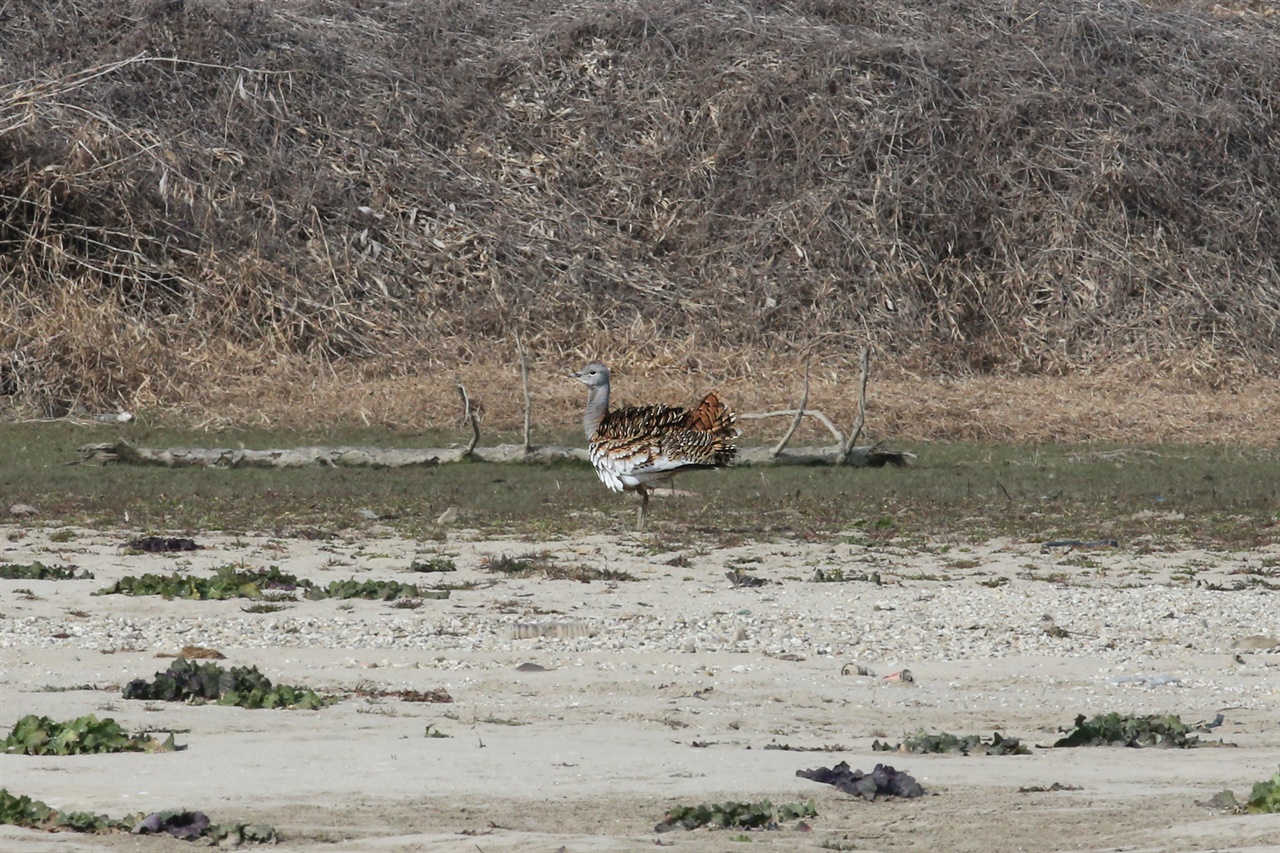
468 414
528 403
813 413
804 401
864 363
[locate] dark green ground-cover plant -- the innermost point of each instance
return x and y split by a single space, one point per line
1130 730
34 814
226 582
38 571
761 815
374 590
233 582
1265 797
33 735
939 742
246 687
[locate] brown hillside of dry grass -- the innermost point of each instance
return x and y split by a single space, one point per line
317 210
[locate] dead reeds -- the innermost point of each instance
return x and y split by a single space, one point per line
193 195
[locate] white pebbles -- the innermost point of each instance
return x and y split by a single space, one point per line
1006 600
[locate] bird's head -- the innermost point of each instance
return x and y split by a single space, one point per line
592 375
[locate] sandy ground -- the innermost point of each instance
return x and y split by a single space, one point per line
661 691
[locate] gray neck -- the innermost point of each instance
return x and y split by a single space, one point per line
597 408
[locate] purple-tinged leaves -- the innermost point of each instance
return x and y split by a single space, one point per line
883 781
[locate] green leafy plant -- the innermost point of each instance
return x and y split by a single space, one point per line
38 571
940 742
1128 730
1265 797
187 825
374 590
761 815
246 687
226 582
34 814
35 735
234 582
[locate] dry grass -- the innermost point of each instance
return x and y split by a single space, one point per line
1126 403
308 211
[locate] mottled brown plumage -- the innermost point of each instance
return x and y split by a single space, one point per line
641 446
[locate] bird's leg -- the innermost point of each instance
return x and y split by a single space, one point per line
644 502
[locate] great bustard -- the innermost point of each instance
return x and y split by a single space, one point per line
642 446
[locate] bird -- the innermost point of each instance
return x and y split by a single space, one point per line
639 447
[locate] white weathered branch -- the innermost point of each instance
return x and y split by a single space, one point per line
804 401
813 413
864 364
528 402
846 452
123 453
468 414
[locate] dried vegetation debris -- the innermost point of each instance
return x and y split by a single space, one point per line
734 815
968 185
883 781
544 564
161 544
942 742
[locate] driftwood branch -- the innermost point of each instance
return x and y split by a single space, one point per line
843 453
120 452
846 451
864 365
861 456
804 401
468 414
528 402
816 414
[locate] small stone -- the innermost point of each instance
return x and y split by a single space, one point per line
1256 643
531 667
